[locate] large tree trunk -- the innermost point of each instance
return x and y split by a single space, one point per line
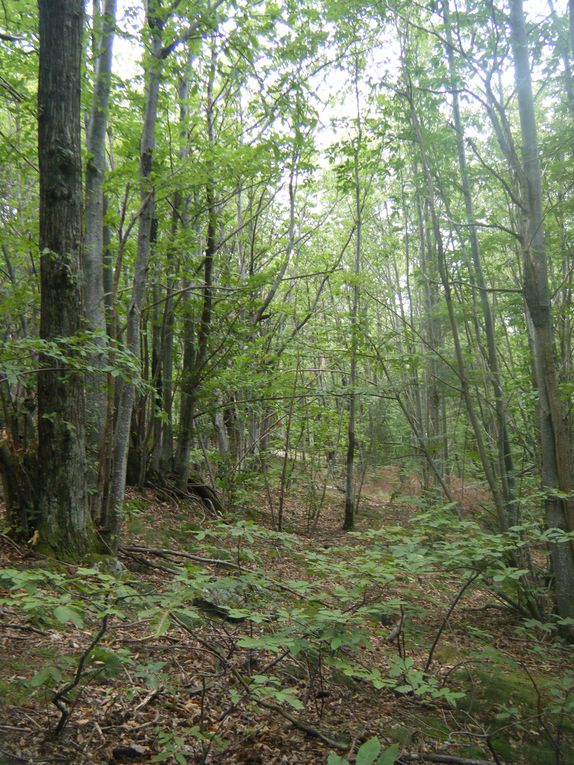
65 524
553 436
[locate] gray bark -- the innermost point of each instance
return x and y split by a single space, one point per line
93 253
505 460
196 360
553 437
114 500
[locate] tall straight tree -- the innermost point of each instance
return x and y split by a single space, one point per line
65 522
115 491
553 434
350 490
506 465
93 251
198 358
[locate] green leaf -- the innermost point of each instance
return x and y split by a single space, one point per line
45 676
389 756
334 759
368 752
162 624
66 614
161 757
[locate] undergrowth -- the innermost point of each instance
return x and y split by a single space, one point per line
279 628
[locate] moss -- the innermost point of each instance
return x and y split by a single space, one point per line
13 693
107 564
16 690
491 690
49 564
505 699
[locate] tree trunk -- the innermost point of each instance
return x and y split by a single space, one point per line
112 520
196 360
506 465
553 437
461 368
93 254
65 523
350 504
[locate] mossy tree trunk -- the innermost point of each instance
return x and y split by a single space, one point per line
65 523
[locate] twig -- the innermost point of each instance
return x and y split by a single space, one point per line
163 553
11 759
6 538
148 699
452 606
59 699
447 758
397 629
302 725
22 627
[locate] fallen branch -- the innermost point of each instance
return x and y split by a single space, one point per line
168 554
161 553
155 566
451 759
306 727
298 723
22 628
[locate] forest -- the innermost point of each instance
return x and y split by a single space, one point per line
287 382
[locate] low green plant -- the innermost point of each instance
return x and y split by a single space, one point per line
369 753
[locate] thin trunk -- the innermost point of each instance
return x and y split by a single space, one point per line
93 253
112 520
162 461
197 359
553 436
460 364
285 460
506 464
350 503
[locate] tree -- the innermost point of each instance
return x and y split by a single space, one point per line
116 479
93 251
65 523
552 433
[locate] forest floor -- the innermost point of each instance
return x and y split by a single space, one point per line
223 642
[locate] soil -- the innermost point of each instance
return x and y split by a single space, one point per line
192 689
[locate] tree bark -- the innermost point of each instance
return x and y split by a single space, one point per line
65 523
350 502
553 437
93 253
114 500
506 464
194 361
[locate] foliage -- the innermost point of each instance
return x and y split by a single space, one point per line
369 753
